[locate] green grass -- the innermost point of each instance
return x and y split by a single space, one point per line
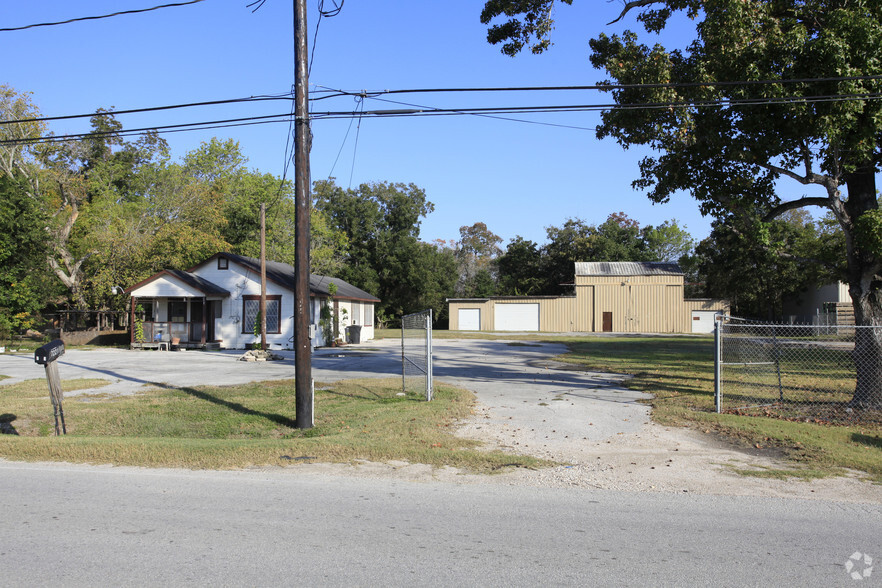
249 425
678 372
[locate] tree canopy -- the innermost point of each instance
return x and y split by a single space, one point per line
85 216
381 224
527 268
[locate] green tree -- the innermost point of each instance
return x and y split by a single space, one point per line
566 245
381 223
46 174
476 251
667 242
758 275
618 238
768 91
24 244
520 268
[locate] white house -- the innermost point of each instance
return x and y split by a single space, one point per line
216 303
821 305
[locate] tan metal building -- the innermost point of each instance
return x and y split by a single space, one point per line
620 297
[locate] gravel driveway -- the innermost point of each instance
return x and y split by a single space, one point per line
527 403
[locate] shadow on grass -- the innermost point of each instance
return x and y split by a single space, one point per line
371 395
6 427
869 440
235 406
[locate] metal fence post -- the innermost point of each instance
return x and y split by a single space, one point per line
430 386
776 349
718 358
403 359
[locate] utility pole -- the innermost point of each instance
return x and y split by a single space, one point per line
302 351
262 276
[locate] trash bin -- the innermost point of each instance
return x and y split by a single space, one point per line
353 333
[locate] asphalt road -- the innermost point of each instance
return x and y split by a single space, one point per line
100 526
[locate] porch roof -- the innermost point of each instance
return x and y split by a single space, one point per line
172 282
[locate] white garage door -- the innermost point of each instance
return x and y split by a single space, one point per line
517 317
469 319
703 321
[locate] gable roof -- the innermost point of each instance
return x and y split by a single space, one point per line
198 283
283 274
627 268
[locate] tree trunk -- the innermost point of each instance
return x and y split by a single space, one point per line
866 293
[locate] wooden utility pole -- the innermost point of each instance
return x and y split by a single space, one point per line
263 276
302 350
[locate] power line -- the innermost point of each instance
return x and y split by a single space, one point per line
262 98
197 126
84 18
355 146
332 93
494 117
345 137
428 111
336 93
478 111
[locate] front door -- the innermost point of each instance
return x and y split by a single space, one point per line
214 313
607 322
197 319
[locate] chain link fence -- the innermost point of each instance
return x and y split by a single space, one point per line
416 353
804 373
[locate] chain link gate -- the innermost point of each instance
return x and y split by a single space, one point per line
804 373
416 353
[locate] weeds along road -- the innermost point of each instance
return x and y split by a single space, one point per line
101 526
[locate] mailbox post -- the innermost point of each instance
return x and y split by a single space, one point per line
46 356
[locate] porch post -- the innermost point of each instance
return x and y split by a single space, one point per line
204 318
132 321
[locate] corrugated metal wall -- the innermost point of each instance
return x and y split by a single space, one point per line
649 304
646 304
555 314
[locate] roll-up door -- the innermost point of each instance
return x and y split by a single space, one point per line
520 316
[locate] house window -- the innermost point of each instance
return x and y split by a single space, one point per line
356 313
368 315
144 310
251 307
177 311
223 263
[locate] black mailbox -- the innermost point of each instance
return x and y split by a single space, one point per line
49 352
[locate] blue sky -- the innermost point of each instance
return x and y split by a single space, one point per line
518 178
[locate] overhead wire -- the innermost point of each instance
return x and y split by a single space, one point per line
418 110
86 18
359 101
355 146
334 93
258 98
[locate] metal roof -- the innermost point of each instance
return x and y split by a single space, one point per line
627 268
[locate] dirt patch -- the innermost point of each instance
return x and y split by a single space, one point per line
662 459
